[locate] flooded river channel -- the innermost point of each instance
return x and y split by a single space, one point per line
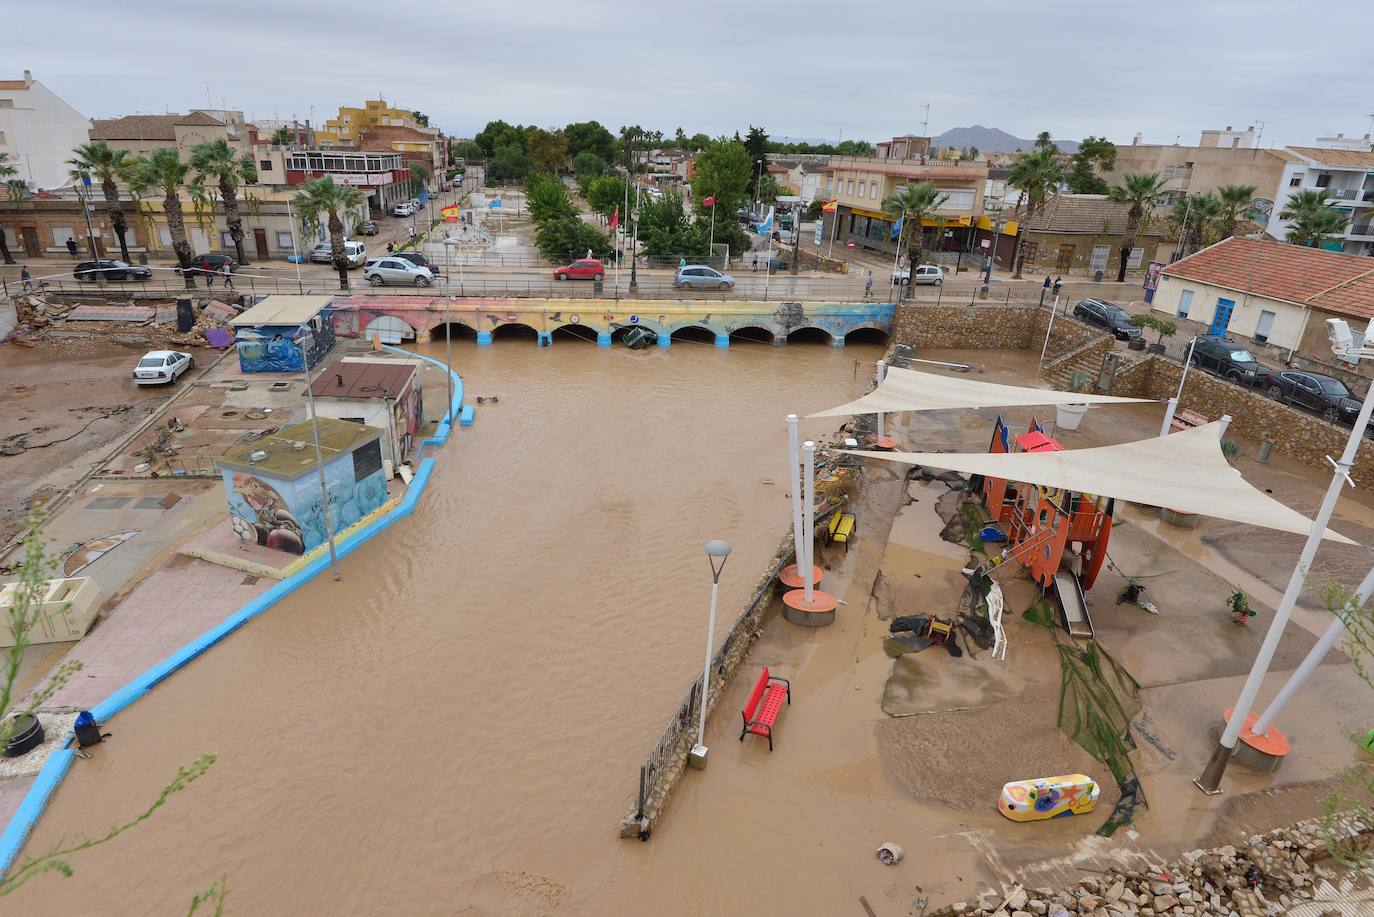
456 727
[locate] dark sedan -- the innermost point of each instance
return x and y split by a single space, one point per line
214 263
1108 316
110 269
1227 359
1317 393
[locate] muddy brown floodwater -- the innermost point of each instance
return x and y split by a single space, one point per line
457 726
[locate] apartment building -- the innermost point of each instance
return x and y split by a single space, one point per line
1347 177
142 134
38 131
1220 158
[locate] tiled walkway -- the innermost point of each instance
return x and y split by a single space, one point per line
178 602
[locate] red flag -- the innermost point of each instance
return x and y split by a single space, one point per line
830 207
708 202
615 218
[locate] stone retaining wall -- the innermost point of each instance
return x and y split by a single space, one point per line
1275 873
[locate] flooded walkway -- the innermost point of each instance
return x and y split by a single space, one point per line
456 727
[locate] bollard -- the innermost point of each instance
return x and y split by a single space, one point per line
1266 446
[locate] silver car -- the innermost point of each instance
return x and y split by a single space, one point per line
701 277
396 270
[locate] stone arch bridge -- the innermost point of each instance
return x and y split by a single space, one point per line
405 317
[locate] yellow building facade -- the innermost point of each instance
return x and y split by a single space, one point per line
347 129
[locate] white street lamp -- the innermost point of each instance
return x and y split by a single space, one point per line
717 551
1173 402
1343 345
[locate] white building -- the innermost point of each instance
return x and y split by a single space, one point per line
1347 176
39 131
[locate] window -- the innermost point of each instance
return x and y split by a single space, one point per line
225 240
1098 262
958 199
2 138
1296 180
1265 325
367 460
60 235
1324 180
264 165
6 103
873 190
851 186
284 240
165 235
862 189
1137 255
1185 302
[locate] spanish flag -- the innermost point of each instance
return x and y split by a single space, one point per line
830 206
450 213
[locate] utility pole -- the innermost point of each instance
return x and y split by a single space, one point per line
319 461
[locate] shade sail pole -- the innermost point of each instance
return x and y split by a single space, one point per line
794 485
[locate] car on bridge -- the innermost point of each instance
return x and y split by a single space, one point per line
931 274
701 277
581 269
396 270
110 269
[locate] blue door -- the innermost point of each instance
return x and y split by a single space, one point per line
1222 317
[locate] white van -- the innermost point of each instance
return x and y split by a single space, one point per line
355 252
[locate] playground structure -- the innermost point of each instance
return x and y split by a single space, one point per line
1059 535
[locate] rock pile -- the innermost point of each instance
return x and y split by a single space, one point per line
41 319
1270 874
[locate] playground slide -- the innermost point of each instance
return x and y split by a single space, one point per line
1073 607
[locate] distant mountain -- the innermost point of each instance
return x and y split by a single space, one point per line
993 140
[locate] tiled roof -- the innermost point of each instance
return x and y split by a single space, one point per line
1090 213
200 119
1349 159
1332 281
14 84
136 127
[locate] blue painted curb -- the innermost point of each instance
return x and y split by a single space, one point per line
467 415
53 772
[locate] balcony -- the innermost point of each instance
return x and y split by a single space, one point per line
1363 232
1342 194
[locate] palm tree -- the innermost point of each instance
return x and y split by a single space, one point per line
1194 222
1314 227
1043 142
98 162
913 205
163 171
1141 190
323 195
7 173
1038 175
1235 201
216 159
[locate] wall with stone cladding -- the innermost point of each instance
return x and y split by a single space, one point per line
1011 326
1295 433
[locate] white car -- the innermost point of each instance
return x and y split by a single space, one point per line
402 210
355 252
159 366
925 273
397 270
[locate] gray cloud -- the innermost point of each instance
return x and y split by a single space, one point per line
807 68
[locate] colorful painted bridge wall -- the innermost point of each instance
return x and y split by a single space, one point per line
354 315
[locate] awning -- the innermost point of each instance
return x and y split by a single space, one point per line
909 390
1184 471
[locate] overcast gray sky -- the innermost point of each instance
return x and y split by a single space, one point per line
805 68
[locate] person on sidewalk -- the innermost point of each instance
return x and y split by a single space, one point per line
1058 282
26 278
228 276
71 246
868 286
209 274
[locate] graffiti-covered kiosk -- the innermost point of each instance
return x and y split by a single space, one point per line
271 335
274 489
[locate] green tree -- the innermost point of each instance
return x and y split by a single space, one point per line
547 199
216 160
1043 142
590 137
723 170
324 195
162 171
420 174
498 134
768 188
1316 227
853 148
421 118
281 137
564 238
756 147
606 194
664 229
587 166
1141 191
470 152
1194 222
915 204
7 175
548 149
106 166
1095 155
509 163
1038 174
698 142
1235 204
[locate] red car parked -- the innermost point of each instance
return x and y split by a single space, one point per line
581 269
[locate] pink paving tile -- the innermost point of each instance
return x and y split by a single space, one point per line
155 619
11 794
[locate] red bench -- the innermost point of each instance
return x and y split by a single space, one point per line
764 705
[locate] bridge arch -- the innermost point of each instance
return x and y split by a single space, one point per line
810 334
514 330
574 332
757 333
459 330
697 334
866 334
389 329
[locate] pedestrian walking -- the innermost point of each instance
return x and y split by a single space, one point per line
228 276
756 261
71 246
868 286
209 274
26 278
1058 282
411 230
390 249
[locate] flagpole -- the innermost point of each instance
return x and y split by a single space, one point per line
710 246
768 270
896 257
830 250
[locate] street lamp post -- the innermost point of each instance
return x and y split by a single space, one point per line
634 246
758 177
1210 781
1173 402
717 551
319 463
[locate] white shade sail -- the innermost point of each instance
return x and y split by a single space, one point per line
1184 471
909 390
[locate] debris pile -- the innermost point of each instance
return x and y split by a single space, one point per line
1273 873
152 325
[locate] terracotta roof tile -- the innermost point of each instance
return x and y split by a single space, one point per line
14 84
1351 159
1082 213
200 119
1332 281
136 127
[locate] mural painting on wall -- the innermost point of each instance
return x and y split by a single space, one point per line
258 513
407 415
268 351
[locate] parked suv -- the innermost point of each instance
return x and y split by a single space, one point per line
701 277
1107 315
393 269
417 259
111 269
1227 359
1321 394
215 263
